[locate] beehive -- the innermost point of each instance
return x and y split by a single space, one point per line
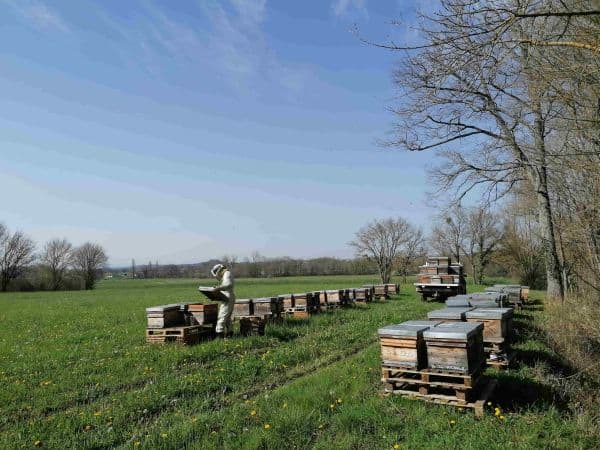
393 289
362 294
380 290
402 345
455 347
288 301
164 316
266 306
448 314
201 314
461 301
497 322
243 307
335 297
304 300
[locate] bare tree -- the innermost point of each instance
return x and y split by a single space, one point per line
57 257
449 232
490 76
380 241
89 259
482 238
412 249
16 253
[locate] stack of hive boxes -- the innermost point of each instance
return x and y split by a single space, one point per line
516 294
487 309
185 323
254 313
440 279
429 358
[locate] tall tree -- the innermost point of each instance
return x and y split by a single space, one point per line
16 253
485 78
449 232
89 259
380 241
57 257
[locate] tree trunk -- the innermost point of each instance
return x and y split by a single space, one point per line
555 288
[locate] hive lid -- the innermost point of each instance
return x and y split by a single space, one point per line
407 329
264 300
243 301
448 313
458 300
303 294
484 304
454 330
163 308
334 291
489 313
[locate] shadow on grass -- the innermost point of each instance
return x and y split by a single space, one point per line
514 393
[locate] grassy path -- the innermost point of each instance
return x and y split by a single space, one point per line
76 373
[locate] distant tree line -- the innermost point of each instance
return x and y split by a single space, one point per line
58 265
255 266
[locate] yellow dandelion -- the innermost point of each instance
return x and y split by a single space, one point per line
194 419
489 403
88 427
396 446
320 426
452 422
332 406
501 417
136 443
98 413
38 443
213 432
267 426
497 413
253 412
339 400
164 435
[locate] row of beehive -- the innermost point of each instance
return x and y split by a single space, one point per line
188 323
310 302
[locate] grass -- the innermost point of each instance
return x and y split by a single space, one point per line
75 372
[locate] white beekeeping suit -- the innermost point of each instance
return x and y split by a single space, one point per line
224 275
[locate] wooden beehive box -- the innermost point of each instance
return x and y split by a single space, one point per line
335 297
243 307
322 296
448 314
402 345
362 294
455 347
380 290
304 300
288 301
165 316
393 288
497 323
266 306
458 301
524 293
438 261
202 314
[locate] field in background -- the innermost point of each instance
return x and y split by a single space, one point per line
75 372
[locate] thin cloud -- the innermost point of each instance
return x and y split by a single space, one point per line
39 15
342 7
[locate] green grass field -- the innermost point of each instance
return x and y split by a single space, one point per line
75 372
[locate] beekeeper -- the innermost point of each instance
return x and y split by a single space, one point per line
225 277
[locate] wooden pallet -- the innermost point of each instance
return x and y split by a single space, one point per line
480 397
187 335
426 380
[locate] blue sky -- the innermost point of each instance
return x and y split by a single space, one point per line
180 131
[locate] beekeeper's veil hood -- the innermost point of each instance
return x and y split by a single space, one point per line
216 269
